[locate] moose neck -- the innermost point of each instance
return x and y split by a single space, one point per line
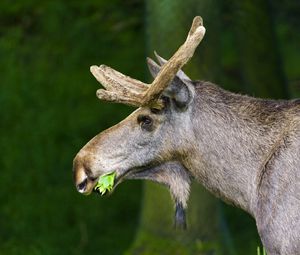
230 145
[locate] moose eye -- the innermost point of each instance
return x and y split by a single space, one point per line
145 122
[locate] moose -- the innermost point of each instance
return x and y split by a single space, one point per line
244 150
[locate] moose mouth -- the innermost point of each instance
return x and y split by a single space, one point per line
144 172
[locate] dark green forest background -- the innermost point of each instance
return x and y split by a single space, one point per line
49 111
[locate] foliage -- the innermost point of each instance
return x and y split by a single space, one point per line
105 183
49 111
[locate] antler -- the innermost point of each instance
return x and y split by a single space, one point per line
126 90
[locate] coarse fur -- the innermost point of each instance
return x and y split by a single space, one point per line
243 149
250 157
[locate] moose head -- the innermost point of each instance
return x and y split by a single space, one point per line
152 142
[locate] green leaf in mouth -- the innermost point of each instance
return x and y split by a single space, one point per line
105 183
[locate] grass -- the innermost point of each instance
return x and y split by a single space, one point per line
263 251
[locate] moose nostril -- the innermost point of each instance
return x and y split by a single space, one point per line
82 186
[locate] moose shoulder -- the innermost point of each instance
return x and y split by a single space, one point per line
243 149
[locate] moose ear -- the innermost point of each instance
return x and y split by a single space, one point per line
153 67
179 91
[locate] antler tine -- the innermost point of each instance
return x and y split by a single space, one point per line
119 87
179 59
114 80
117 98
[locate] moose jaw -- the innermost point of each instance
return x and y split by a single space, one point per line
244 150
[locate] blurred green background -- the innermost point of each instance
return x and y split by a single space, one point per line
49 111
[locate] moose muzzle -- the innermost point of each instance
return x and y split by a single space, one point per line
81 175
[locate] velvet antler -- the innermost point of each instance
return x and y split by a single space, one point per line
126 90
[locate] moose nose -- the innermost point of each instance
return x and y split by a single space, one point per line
81 187
83 184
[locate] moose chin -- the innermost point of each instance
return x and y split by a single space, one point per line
244 150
